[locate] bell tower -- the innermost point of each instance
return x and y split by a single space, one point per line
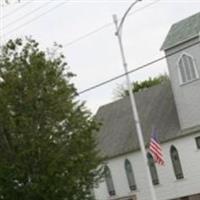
182 48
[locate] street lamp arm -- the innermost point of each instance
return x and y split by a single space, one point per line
124 16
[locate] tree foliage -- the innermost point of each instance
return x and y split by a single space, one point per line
138 86
47 147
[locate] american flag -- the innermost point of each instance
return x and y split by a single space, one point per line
155 149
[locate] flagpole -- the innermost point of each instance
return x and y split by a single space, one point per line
118 33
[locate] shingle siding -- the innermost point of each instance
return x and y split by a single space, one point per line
156 108
182 31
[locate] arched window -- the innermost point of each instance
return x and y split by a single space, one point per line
176 163
130 175
153 170
109 181
187 69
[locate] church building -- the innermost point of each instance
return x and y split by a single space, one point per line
173 108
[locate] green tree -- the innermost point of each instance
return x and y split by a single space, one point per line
138 86
47 146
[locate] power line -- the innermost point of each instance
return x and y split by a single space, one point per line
15 10
39 1
24 16
121 75
135 69
89 33
97 30
36 18
105 26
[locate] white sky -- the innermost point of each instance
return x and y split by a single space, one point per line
96 58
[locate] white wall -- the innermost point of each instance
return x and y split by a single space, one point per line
169 187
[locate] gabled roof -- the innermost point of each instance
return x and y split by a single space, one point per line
182 31
156 108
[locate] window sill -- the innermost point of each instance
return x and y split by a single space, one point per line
157 185
131 196
113 197
179 180
116 197
131 192
188 82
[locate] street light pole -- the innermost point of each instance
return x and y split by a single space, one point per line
118 33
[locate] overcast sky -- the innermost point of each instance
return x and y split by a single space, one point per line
86 30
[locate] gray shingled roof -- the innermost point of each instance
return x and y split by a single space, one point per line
156 108
182 31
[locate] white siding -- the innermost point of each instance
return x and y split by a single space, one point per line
169 187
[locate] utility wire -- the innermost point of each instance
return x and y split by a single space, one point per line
26 15
135 69
97 30
15 10
39 1
105 26
35 18
84 36
121 75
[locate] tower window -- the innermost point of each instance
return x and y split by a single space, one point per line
187 69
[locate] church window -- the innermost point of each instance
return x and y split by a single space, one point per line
187 69
198 142
176 163
130 175
153 170
184 198
109 182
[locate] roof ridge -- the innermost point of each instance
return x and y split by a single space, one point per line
186 18
117 134
145 90
182 31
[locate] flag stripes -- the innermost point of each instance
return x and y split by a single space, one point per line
155 149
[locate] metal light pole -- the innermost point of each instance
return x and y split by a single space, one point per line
118 33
